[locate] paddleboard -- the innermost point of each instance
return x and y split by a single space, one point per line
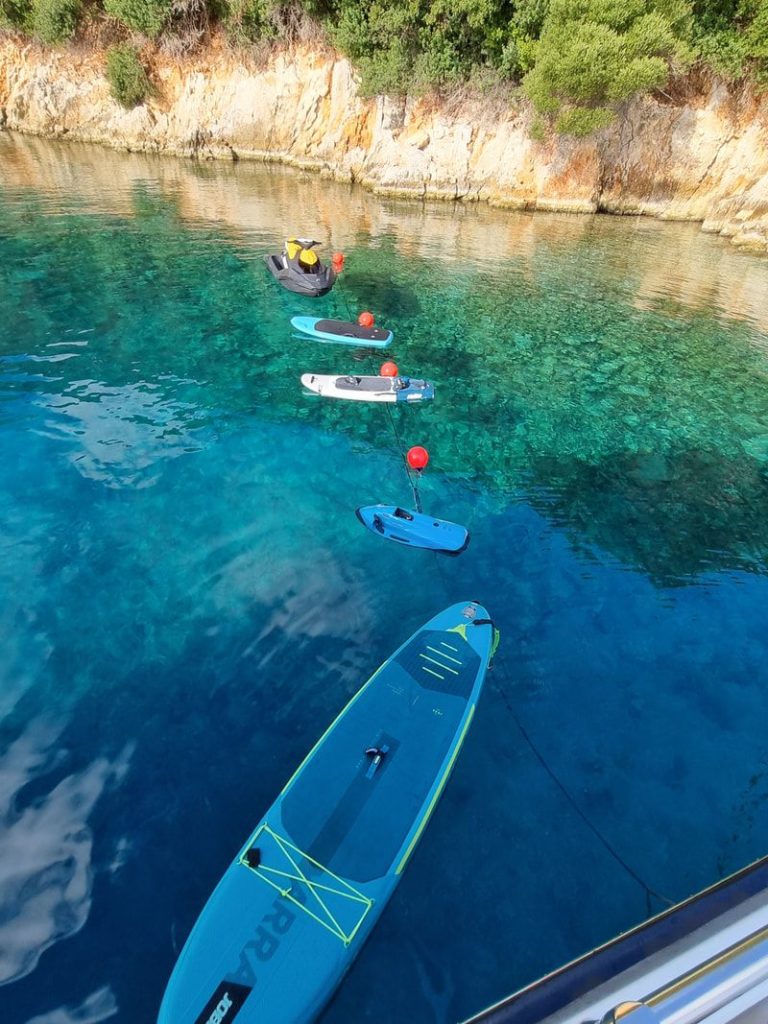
417 529
357 388
293 909
343 332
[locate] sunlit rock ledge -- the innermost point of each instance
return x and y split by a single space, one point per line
701 157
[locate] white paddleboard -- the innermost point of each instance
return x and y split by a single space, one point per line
360 388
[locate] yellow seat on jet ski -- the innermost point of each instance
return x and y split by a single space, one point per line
308 258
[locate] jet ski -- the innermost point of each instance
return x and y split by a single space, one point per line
298 268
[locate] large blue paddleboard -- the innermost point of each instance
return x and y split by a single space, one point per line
292 911
342 332
417 529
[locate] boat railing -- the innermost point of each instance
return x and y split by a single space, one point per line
695 958
696 995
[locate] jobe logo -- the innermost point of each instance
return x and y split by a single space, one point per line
221 1010
225 1003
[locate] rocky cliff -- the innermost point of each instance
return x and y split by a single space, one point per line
701 154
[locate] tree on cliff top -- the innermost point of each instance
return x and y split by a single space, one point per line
731 35
413 45
595 54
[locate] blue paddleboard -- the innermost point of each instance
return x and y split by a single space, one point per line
342 332
414 528
292 911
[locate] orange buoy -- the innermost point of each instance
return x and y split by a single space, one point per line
417 457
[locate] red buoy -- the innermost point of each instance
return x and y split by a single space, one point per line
388 370
418 457
366 319
338 261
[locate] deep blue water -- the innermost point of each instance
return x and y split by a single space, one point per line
187 598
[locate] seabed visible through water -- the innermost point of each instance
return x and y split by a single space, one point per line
188 598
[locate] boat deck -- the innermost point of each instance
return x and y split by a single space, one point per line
704 961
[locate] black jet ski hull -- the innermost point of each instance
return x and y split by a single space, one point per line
295 280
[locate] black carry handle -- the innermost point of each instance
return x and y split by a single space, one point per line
496 636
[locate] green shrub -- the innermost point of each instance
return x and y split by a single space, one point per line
415 45
16 14
594 54
382 40
386 72
529 17
520 38
581 121
55 21
248 21
731 36
757 42
127 78
725 51
538 129
438 63
147 16
517 56
349 30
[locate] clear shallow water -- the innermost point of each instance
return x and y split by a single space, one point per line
173 642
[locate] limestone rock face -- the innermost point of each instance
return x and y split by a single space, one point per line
700 157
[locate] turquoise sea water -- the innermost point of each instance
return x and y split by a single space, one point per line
187 598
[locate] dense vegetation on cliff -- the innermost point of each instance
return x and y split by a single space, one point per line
577 60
